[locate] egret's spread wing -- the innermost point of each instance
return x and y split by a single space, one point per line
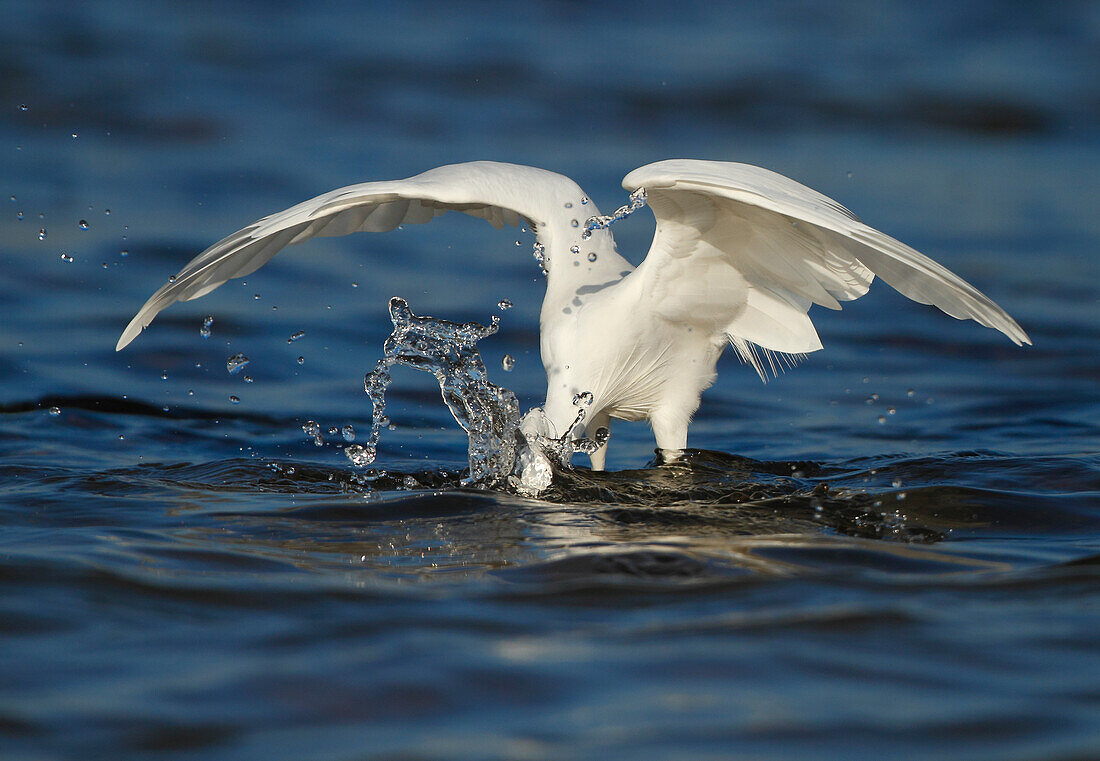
755 249
502 194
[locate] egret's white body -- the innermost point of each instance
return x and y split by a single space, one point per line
739 256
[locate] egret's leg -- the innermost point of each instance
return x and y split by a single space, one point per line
600 420
671 432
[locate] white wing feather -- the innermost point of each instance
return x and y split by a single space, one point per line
502 194
754 249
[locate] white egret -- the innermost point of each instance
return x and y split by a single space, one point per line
739 256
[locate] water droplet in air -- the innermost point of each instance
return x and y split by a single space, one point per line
575 249
123 253
42 234
519 243
312 429
569 204
207 321
504 305
359 455
896 483
910 393
164 375
574 223
19 215
592 256
76 135
107 212
508 362
23 107
248 379
540 256
235 399
584 397
296 336
584 200
256 296
83 224
55 411
348 432
66 257
171 278
881 419
236 363
301 360
890 411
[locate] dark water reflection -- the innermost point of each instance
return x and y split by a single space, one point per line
891 551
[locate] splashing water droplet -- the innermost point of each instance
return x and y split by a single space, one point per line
207 321
313 430
236 363
592 256
55 411
348 432
19 215
42 234
584 397
295 337
542 258
584 201
504 305
235 399
301 360
637 201
508 362
83 224
569 204
359 455
66 258
488 413
575 249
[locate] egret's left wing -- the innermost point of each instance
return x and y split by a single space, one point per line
745 251
502 194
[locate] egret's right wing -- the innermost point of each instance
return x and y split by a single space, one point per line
753 250
502 194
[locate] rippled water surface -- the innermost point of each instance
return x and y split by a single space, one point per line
890 551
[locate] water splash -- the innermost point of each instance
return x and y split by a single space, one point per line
236 363
637 201
488 413
541 257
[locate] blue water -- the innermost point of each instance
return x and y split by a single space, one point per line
185 576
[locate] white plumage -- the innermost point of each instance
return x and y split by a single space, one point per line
739 255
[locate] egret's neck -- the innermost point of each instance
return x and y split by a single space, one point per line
576 266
